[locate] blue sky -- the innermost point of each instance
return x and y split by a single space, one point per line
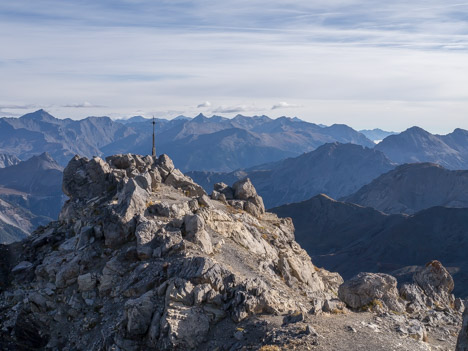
364 63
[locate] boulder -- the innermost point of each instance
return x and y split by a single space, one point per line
138 313
374 291
180 181
244 190
195 232
145 233
86 282
85 179
222 188
437 284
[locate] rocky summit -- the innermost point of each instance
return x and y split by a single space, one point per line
142 259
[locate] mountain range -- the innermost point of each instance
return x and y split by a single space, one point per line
335 169
376 134
217 143
200 143
412 187
30 195
417 145
337 233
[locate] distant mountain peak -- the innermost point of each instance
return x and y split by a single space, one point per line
200 116
416 130
41 115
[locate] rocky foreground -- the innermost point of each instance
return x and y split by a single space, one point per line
142 259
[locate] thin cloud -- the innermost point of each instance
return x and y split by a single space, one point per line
204 105
18 107
284 104
231 109
82 105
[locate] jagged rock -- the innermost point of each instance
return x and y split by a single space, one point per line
459 305
224 189
415 296
138 313
204 201
178 180
83 178
145 233
195 232
333 306
165 163
244 190
432 288
437 284
462 342
22 266
375 291
86 282
68 273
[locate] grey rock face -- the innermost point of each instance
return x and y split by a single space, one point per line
433 286
8 160
371 290
242 196
140 259
462 342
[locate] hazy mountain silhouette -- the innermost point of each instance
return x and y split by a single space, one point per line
376 134
413 187
194 143
30 195
349 238
417 145
336 169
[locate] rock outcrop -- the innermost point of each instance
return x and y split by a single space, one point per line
462 342
427 303
377 291
141 258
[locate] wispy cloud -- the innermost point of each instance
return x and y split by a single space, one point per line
346 61
18 107
85 104
284 104
231 109
204 104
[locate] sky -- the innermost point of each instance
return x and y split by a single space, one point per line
368 64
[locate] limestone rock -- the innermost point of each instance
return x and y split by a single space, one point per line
244 190
437 283
376 291
138 313
145 233
462 342
83 178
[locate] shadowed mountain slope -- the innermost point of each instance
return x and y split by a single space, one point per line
413 187
30 195
348 238
417 145
335 169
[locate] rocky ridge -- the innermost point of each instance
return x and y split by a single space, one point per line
142 259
